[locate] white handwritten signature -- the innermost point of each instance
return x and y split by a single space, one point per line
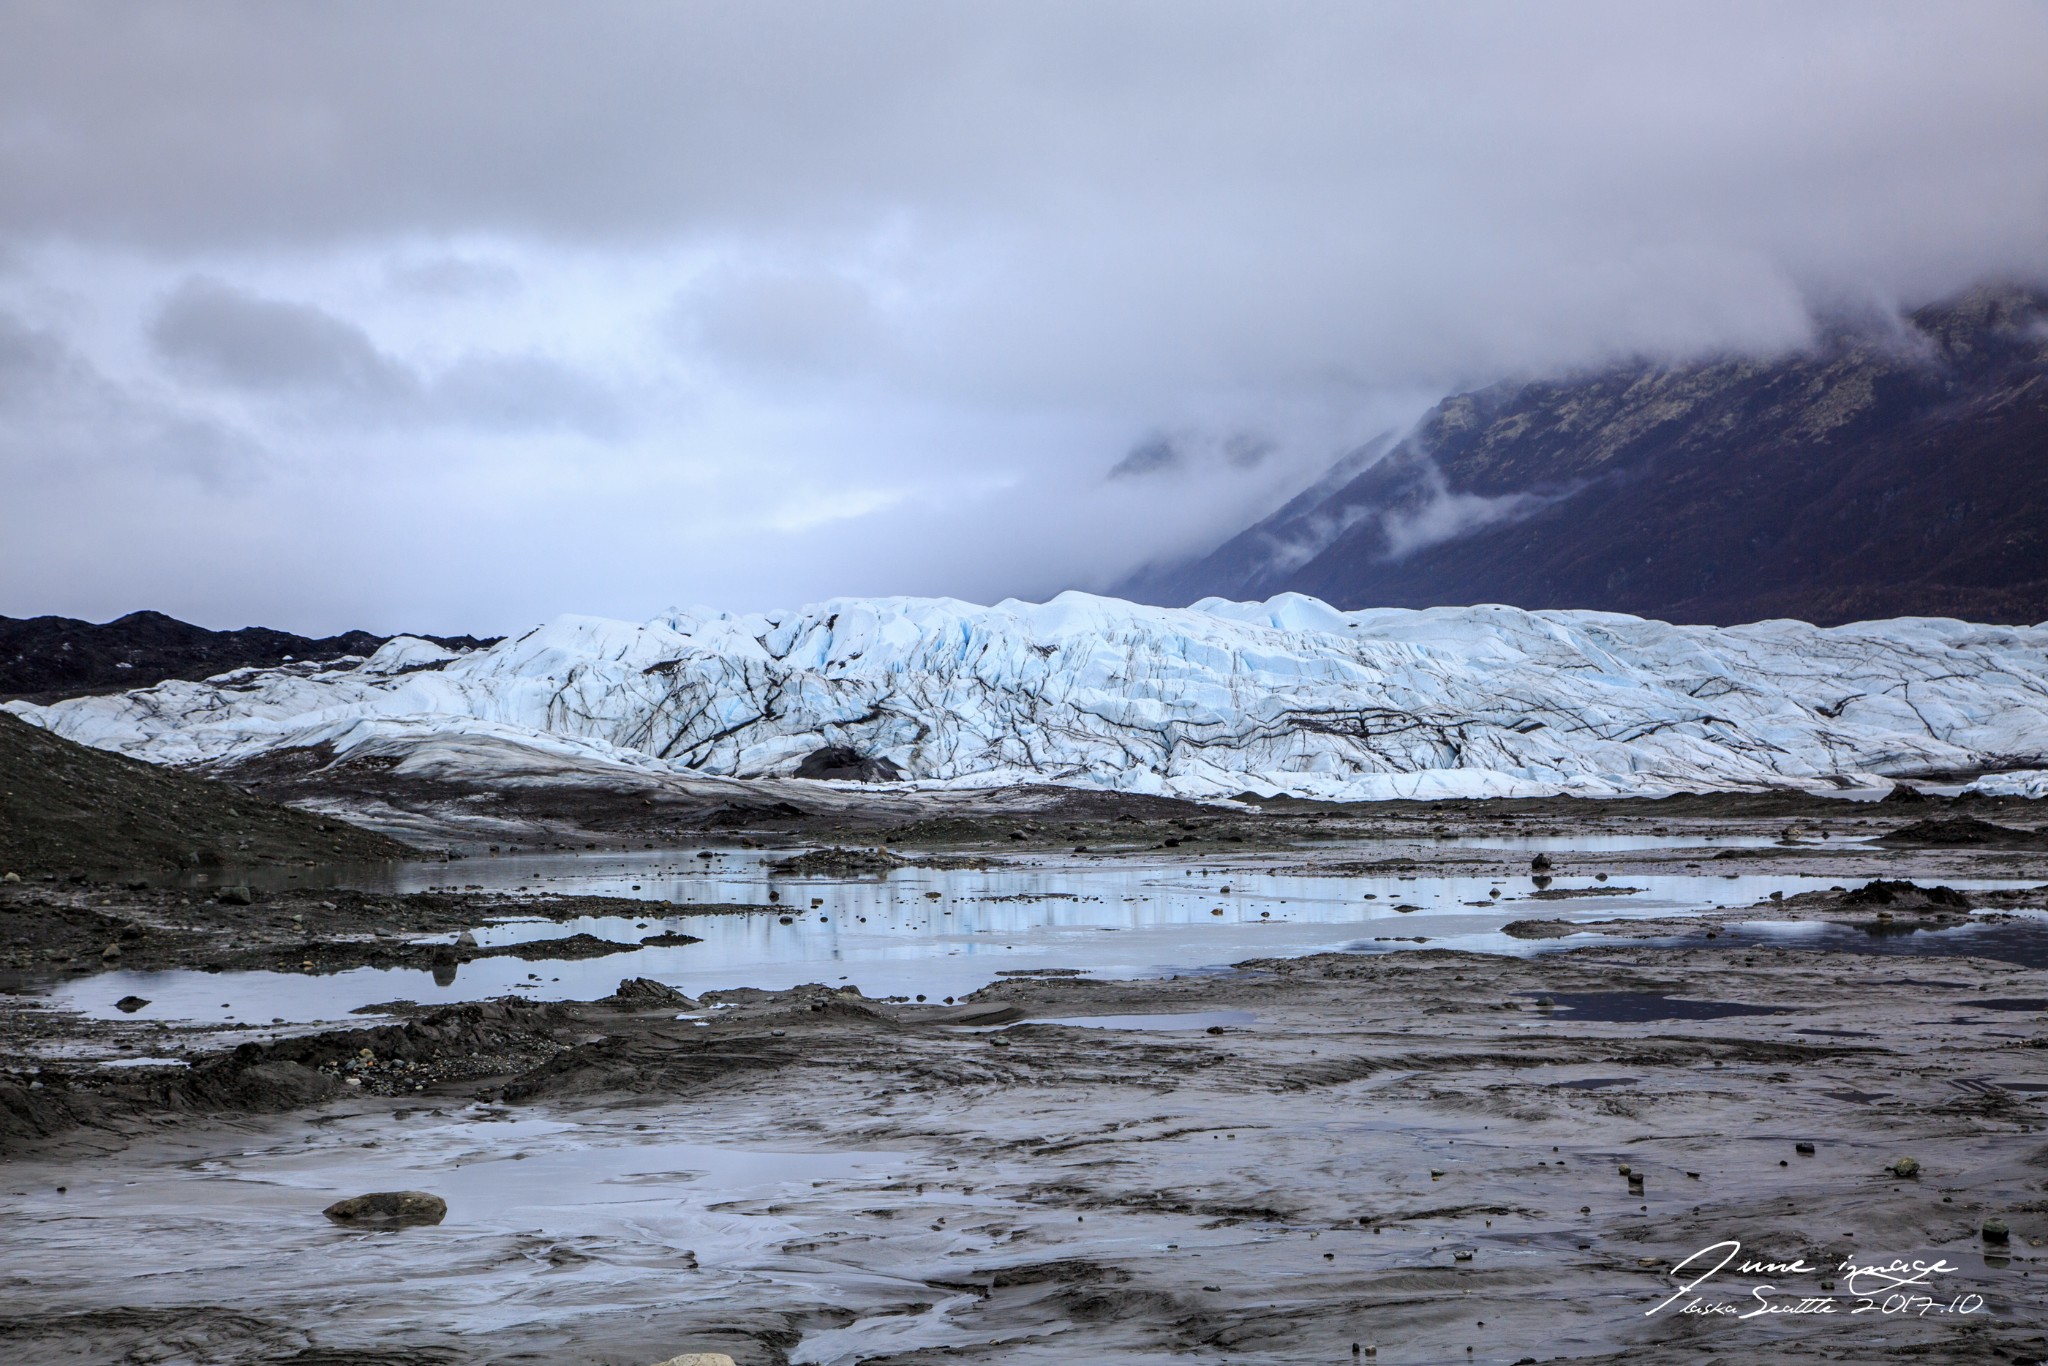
1895 1287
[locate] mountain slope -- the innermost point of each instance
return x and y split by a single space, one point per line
1285 696
66 806
1887 473
48 657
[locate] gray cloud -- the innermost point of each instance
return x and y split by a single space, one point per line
451 276
781 324
523 392
854 298
222 335
67 428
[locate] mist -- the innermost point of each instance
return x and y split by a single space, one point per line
455 317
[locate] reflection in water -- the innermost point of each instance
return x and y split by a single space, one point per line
921 930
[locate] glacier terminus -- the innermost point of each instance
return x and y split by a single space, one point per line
1288 696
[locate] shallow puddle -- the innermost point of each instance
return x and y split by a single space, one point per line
2022 941
1193 1019
919 932
1620 1007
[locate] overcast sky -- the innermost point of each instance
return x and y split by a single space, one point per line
455 316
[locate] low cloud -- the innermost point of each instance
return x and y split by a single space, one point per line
1161 453
330 369
1154 455
1033 293
1441 515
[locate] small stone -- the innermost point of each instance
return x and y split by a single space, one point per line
10 877
388 1209
110 953
698 1359
1540 864
465 940
1803 1149
1905 1167
1997 1231
128 1005
236 896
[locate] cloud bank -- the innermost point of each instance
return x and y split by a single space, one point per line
455 316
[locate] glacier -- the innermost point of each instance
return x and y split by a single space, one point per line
1289 696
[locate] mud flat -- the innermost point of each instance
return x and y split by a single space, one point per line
1414 1150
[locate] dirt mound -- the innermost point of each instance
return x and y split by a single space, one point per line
64 806
838 863
1962 832
1906 896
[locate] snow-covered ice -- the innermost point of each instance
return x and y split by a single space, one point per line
1289 695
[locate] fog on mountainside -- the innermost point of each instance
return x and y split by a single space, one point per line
1898 467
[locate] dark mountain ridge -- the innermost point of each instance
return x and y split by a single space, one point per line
45 658
1887 471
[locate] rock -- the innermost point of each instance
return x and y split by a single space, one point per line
1902 793
388 1209
236 896
1905 1167
1540 864
699 1359
465 940
646 993
128 1005
1804 1149
10 877
1996 1230
847 765
110 953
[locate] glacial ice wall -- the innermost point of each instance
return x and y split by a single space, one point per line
1289 695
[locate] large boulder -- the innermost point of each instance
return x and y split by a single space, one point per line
847 765
388 1209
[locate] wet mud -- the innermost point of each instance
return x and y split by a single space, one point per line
1428 1155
